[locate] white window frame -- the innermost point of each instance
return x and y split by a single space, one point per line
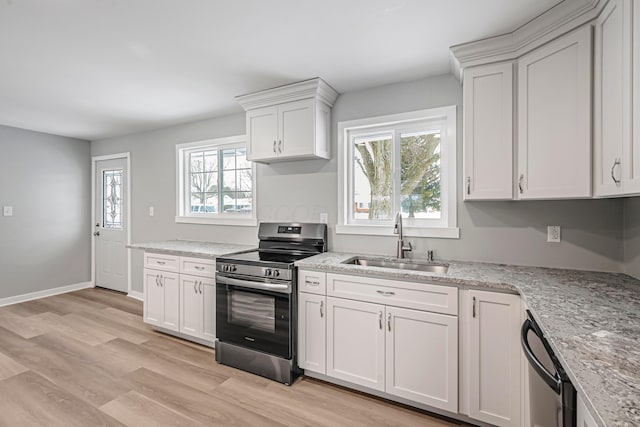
448 225
182 181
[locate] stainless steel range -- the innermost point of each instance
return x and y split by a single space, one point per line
256 300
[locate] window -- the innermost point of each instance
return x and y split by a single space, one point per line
215 182
112 194
401 163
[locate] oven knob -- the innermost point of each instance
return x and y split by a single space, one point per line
276 273
267 272
233 268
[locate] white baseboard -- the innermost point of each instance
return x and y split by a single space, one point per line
136 295
43 294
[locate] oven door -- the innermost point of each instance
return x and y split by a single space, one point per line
255 314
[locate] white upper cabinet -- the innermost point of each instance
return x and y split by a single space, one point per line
633 154
612 97
289 122
488 132
554 119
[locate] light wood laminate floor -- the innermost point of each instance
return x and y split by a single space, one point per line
86 359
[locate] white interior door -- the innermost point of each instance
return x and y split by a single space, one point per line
111 224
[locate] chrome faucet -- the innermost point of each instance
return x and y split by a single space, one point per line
397 229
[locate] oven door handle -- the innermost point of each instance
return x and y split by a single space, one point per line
282 288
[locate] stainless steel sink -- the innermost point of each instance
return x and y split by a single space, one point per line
398 264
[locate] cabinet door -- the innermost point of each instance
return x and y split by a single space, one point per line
355 342
494 358
554 119
583 416
488 132
191 305
612 130
296 128
312 329
422 357
170 285
632 186
153 297
209 310
262 132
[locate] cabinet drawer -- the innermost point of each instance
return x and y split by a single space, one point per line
418 296
205 267
161 262
313 282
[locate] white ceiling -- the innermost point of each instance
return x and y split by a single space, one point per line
97 68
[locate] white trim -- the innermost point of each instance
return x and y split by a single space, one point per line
43 294
312 88
136 295
385 230
94 161
562 18
213 218
449 185
241 222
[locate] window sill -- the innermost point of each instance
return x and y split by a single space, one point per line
236 221
385 230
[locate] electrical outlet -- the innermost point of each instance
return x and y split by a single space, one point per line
324 217
7 211
151 211
553 234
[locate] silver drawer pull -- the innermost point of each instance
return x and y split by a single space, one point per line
161 262
198 267
386 293
312 282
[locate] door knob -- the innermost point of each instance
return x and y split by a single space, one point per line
97 233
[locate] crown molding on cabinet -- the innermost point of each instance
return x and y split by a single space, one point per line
312 88
560 19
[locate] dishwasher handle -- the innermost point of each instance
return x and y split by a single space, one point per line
553 380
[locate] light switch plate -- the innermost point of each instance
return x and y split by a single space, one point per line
553 234
7 211
151 211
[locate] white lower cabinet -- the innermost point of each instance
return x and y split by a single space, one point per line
355 342
162 298
180 295
197 298
408 353
422 357
493 357
312 332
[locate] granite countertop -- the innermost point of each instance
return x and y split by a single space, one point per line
192 248
591 320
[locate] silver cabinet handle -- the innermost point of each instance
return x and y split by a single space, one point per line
200 287
312 282
520 183
161 262
473 309
195 283
199 267
389 321
157 280
321 308
161 279
274 145
616 163
380 320
386 293
280 146
468 185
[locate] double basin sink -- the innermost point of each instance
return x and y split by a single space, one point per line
399 264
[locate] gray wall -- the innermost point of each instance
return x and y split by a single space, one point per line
632 236
47 180
510 232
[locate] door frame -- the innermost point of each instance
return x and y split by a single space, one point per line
94 161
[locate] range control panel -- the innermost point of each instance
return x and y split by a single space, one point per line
286 229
